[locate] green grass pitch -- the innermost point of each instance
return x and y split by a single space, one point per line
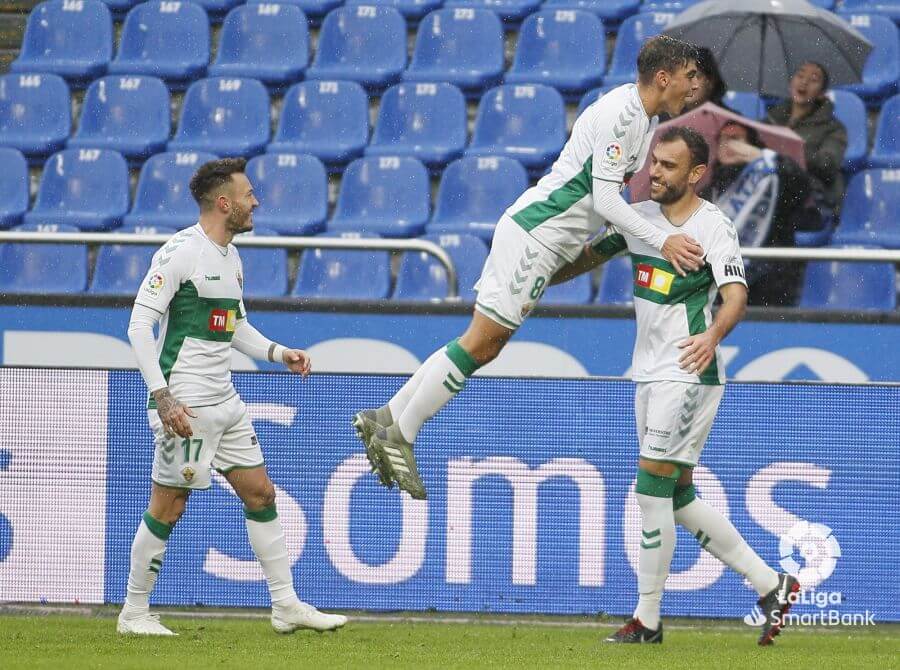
73 642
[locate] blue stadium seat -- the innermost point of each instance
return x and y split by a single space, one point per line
888 8
750 105
35 113
127 114
119 268
870 213
424 121
269 42
422 277
224 116
616 282
169 40
836 285
118 8
163 198
314 9
462 46
511 11
825 4
86 188
218 8
292 191
71 38
577 291
886 151
631 36
413 10
361 43
265 270
564 48
527 123
340 274
474 193
13 187
329 119
385 195
850 110
609 11
882 68
675 6
43 268
592 96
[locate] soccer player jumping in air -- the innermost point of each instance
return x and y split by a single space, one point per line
680 379
544 229
195 289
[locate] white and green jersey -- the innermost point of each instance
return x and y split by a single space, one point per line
669 307
198 288
610 142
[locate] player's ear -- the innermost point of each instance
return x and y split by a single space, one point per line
696 174
662 78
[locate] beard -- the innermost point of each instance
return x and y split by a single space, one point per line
670 194
238 220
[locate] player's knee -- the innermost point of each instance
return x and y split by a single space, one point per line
268 494
261 496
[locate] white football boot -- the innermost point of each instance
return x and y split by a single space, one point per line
289 618
133 621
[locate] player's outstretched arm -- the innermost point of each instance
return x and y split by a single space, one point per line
698 351
248 340
682 251
587 261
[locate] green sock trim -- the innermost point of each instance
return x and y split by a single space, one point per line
158 528
654 485
684 496
262 515
461 358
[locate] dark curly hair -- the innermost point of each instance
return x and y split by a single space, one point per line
210 176
663 53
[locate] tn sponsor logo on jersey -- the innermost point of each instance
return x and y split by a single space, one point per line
212 277
222 320
654 279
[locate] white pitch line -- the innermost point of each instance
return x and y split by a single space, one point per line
400 619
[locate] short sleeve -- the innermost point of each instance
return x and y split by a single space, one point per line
610 243
614 138
168 270
724 255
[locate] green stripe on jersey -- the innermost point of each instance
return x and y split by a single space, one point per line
610 245
659 288
191 316
533 215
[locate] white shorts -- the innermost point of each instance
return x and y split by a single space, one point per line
674 419
515 275
223 439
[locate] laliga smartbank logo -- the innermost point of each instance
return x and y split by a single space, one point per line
810 552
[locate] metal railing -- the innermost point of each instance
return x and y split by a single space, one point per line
768 253
268 242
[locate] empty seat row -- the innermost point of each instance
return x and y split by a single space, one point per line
362 275
322 273
388 195
329 119
461 44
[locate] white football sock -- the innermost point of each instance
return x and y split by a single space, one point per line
444 377
147 551
719 537
267 539
654 495
401 398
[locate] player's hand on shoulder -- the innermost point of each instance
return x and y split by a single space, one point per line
297 361
683 252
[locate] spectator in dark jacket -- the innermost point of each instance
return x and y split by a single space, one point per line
763 193
811 115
